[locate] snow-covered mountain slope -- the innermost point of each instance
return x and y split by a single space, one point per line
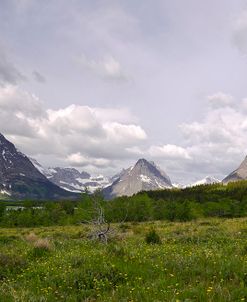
178 185
239 174
73 180
20 178
208 180
41 169
143 176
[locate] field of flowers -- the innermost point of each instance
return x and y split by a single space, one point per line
204 260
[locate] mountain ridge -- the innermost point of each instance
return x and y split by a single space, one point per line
239 174
19 178
71 179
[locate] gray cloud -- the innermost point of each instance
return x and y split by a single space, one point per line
176 51
8 72
106 68
38 77
239 36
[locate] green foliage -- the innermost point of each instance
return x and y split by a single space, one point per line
2 210
10 265
152 237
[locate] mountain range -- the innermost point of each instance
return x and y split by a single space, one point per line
21 177
144 175
208 180
71 179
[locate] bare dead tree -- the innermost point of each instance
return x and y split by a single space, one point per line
100 227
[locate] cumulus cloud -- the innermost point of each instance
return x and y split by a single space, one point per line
220 99
19 111
15 100
213 146
77 159
169 152
106 68
218 143
84 136
76 135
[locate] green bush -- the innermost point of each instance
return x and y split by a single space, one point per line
152 237
10 264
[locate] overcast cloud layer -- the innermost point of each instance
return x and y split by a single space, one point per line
98 84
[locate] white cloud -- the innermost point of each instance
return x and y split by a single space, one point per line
76 135
15 100
96 137
214 146
218 143
119 133
169 152
220 99
20 111
77 159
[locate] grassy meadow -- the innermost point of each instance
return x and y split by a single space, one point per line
203 260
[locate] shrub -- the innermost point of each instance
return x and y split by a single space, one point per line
43 244
10 264
42 247
152 237
31 237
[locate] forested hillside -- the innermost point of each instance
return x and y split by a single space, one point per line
215 200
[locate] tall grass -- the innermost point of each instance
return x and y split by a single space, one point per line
204 260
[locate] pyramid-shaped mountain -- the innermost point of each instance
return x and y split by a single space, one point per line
20 179
143 176
239 174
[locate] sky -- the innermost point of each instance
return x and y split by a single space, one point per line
96 84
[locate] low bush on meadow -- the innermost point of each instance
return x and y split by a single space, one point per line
152 237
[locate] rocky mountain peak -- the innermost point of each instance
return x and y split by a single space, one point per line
143 176
239 174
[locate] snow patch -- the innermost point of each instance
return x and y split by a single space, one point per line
145 178
4 192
